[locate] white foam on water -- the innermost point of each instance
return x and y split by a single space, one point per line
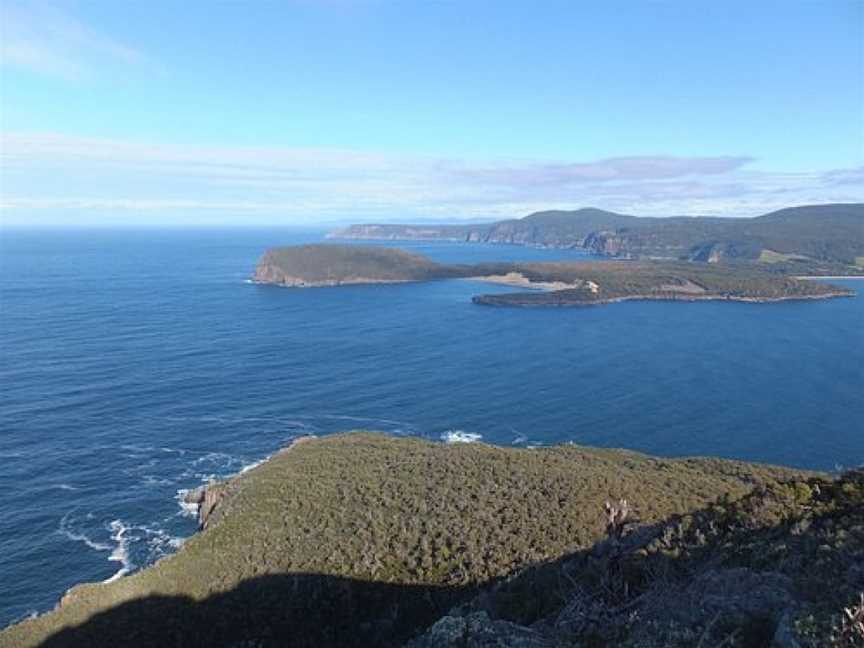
252 465
80 537
460 436
121 550
153 480
187 509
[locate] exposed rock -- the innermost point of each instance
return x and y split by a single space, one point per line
206 498
785 635
477 630
736 596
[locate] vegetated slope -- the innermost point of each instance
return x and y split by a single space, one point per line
609 281
364 539
812 234
823 232
782 566
330 265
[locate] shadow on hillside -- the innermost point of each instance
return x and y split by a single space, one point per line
744 564
304 610
286 610
322 611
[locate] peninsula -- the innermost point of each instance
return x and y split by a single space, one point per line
548 284
363 539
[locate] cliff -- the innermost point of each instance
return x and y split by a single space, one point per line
827 239
363 539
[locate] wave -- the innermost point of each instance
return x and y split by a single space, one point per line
80 537
460 436
121 551
187 509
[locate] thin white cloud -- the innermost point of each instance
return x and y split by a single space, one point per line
46 40
42 173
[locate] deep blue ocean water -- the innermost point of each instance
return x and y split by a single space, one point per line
134 364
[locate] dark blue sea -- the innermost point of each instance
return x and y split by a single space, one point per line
135 364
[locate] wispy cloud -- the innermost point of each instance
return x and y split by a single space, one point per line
49 41
612 169
41 173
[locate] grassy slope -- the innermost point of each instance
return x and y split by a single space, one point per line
318 544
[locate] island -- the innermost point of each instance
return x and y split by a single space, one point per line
363 539
804 240
548 284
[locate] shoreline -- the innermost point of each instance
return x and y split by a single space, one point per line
814 277
518 280
482 301
220 487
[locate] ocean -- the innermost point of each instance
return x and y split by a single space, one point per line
137 364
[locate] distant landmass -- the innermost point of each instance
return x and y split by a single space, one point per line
364 539
549 284
829 238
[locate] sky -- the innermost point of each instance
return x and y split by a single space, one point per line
318 112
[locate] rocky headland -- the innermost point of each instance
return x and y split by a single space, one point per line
363 539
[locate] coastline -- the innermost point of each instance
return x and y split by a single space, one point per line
219 488
491 300
298 283
814 277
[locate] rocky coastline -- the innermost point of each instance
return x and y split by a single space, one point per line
556 299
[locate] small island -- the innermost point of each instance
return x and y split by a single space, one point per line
548 284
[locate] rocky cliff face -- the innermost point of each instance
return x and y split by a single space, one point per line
272 274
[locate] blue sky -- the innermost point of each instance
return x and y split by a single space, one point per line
324 111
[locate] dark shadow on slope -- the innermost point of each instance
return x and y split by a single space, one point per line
302 610
735 568
736 573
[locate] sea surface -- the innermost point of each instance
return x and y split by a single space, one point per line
136 364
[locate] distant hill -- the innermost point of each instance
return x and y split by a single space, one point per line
813 235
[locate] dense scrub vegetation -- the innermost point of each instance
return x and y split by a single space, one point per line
781 566
314 265
364 539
